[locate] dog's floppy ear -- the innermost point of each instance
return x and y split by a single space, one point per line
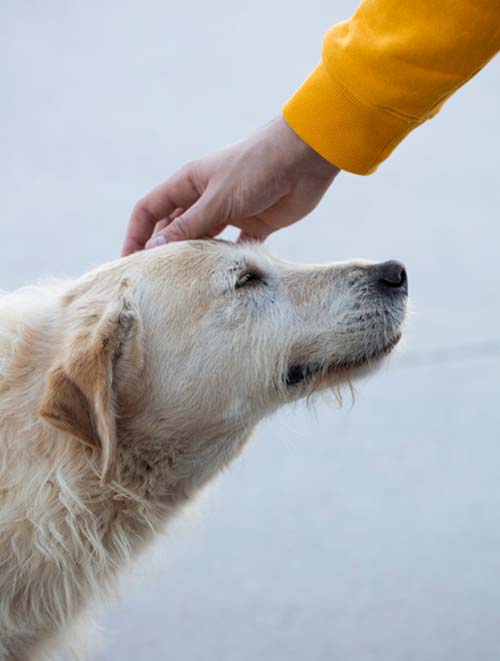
80 394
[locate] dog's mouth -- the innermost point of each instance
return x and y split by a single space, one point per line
305 373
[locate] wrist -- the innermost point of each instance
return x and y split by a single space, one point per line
301 154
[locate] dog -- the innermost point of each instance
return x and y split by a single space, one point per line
123 392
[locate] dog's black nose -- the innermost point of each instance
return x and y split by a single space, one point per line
392 275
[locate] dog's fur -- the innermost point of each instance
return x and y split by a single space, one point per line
122 393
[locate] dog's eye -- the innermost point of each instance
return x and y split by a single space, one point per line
249 278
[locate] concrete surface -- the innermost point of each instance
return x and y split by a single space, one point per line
367 533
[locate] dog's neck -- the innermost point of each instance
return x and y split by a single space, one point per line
170 468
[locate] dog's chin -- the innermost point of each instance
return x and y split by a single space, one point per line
333 371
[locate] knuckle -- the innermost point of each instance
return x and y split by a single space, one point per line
189 169
139 208
180 229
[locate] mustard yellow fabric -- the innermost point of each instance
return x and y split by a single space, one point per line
388 69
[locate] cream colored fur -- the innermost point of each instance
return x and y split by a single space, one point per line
123 392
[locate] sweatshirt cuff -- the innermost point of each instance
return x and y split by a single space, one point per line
349 133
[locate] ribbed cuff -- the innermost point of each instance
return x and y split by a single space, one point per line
345 131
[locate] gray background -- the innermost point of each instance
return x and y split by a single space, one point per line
370 532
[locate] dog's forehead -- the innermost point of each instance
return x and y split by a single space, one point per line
236 255
218 254
202 262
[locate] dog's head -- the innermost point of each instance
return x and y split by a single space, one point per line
202 339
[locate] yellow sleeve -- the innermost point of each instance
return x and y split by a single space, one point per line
385 71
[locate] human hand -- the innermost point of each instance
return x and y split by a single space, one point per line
267 181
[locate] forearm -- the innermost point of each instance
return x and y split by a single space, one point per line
387 70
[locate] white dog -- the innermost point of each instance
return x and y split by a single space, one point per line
122 393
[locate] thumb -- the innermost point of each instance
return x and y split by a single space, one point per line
196 222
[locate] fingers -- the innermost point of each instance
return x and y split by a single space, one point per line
161 224
178 191
245 237
215 231
253 229
202 219
140 227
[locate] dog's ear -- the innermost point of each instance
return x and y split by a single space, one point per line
80 394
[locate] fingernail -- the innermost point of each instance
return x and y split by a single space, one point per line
156 241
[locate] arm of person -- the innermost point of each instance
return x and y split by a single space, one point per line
383 73
387 70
